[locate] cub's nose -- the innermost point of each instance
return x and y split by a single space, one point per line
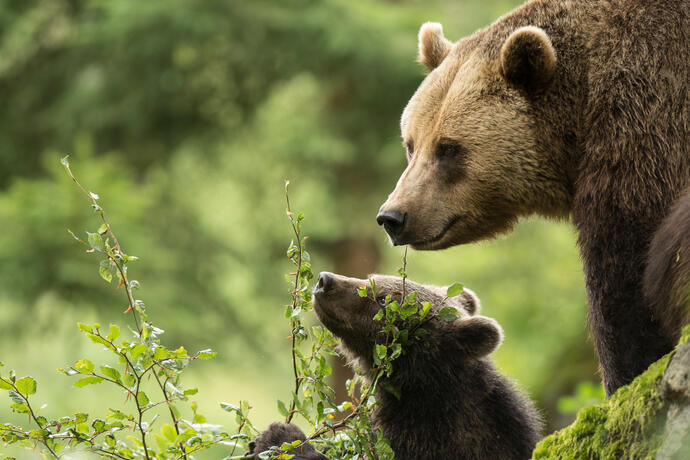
393 221
325 282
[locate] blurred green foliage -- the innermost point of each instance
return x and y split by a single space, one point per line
187 117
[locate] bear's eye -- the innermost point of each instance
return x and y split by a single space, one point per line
409 150
447 150
381 300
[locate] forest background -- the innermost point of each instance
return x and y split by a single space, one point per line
186 117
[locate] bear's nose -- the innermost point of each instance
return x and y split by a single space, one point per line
393 221
325 281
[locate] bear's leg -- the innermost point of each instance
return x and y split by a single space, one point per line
627 336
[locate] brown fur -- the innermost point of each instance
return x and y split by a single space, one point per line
433 46
454 404
667 275
605 140
528 58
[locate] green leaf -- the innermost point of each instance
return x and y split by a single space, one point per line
104 270
362 291
22 408
383 449
98 339
207 354
84 366
82 382
98 425
5 385
448 314
110 372
191 391
95 241
128 380
26 386
454 290
14 396
380 352
185 436
138 350
142 399
228 407
426 306
85 327
161 442
113 333
160 353
288 446
169 432
282 408
379 315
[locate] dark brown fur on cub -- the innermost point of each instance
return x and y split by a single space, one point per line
565 109
454 404
667 276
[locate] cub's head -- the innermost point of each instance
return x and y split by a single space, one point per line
473 135
350 317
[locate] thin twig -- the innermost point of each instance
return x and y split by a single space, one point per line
172 414
117 248
404 273
294 322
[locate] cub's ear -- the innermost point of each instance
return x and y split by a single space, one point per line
477 336
467 301
528 58
433 46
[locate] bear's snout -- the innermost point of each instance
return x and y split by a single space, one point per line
394 223
325 282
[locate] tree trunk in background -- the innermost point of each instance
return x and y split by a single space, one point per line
356 258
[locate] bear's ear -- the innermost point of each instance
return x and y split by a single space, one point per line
433 46
477 336
528 58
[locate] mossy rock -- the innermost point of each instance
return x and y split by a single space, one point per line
646 419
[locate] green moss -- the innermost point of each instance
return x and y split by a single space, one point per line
630 424
685 335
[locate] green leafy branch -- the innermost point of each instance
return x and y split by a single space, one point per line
144 366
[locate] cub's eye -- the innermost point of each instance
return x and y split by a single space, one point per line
445 150
381 300
409 150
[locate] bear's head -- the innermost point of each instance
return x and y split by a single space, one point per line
350 317
473 133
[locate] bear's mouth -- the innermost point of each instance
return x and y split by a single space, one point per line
428 243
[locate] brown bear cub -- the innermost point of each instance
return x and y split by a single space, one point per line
565 109
453 403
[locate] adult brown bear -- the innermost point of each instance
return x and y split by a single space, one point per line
560 108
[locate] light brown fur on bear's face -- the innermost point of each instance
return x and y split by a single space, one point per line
475 161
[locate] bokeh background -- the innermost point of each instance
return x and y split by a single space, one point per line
186 117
